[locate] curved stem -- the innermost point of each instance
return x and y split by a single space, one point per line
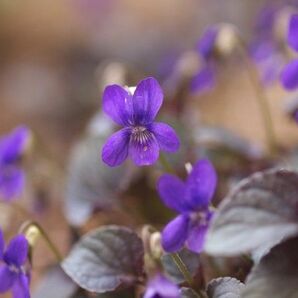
261 97
182 268
25 228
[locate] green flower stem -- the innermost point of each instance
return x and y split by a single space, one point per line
182 268
28 225
261 97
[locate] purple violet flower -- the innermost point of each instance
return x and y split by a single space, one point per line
161 287
141 138
12 176
13 273
191 199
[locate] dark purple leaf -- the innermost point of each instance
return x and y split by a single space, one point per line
106 259
256 215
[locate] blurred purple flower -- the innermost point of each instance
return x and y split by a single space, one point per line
191 199
161 287
289 75
268 60
204 80
265 20
12 177
141 138
13 274
206 43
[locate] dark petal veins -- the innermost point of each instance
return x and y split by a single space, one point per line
143 148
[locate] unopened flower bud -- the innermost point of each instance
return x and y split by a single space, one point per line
227 39
155 245
32 234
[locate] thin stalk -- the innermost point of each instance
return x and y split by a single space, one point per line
182 268
261 98
44 235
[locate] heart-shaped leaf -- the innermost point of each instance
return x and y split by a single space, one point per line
262 210
224 287
189 258
106 259
276 275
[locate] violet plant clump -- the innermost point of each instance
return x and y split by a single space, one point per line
14 274
192 200
140 138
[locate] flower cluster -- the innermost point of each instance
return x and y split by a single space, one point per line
13 274
12 176
141 138
191 199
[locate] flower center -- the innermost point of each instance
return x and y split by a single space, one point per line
200 217
140 135
15 269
